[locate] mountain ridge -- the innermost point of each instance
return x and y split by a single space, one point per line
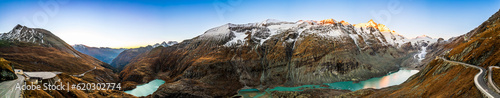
38 50
269 54
104 54
129 55
40 43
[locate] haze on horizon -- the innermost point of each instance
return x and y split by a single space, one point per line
133 23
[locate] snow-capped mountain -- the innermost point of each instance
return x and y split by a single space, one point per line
274 53
36 49
165 44
37 36
24 34
369 33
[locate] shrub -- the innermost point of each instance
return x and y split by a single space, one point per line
5 43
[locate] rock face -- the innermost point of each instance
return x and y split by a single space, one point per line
271 53
442 79
104 54
34 49
6 71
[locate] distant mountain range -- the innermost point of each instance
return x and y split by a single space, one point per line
165 44
104 54
123 55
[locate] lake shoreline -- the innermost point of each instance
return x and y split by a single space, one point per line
391 79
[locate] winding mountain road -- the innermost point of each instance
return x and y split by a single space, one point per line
479 80
81 75
490 79
8 88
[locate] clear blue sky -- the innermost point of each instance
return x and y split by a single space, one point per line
130 23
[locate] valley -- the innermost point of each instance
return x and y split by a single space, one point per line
270 58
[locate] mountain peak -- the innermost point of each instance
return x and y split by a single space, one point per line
165 44
18 26
79 45
170 43
372 22
24 34
423 36
383 28
327 21
344 22
37 36
271 21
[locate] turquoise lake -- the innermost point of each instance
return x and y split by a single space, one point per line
146 89
390 79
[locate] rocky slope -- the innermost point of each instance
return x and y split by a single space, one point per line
272 53
126 56
442 79
104 54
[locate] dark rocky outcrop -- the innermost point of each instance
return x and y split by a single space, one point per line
6 71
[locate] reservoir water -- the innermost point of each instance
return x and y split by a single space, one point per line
146 89
391 79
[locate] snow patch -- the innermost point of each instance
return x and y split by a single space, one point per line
332 33
421 55
239 38
218 31
277 29
355 38
268 21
